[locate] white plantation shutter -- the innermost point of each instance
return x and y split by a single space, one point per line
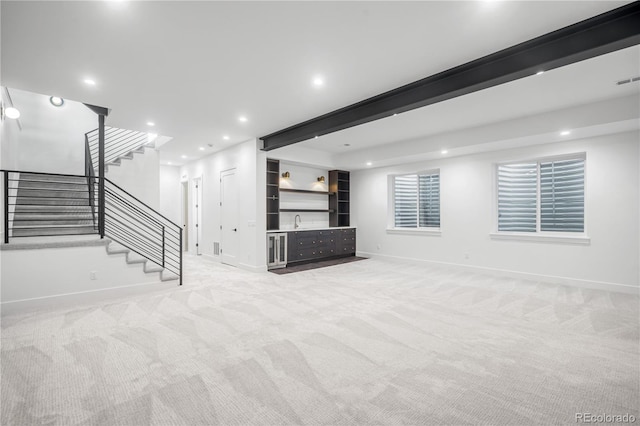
417 201
406 201
562 196
429 198
556 186
517 197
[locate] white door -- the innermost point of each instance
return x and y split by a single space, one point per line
229 234
197 211
185 216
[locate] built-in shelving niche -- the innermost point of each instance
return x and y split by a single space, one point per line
273 194
339 198
338 194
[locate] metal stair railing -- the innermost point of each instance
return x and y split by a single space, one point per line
141 229
118 143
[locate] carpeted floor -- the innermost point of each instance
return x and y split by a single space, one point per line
364 343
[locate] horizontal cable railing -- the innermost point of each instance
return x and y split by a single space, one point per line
46 204
117 143
141 229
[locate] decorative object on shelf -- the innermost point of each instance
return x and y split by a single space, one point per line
321 179
286 175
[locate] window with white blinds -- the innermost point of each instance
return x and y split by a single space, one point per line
545 196
417 201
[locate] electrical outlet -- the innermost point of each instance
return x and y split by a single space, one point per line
92 275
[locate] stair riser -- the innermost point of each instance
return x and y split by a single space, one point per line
54 231
34 223
54 185
52 178
62 202
38 193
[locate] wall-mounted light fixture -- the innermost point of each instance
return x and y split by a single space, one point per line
286 175
321 179
10 112
56 101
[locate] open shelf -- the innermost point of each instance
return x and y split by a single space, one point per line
308 210
305 191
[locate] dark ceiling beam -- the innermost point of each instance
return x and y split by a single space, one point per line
605 33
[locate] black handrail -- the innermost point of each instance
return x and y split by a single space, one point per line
127 220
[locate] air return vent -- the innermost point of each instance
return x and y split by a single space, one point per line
216 248
628 80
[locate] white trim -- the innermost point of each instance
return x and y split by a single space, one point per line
434 232
563 238
567 281
65 300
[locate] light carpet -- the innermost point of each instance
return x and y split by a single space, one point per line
365 343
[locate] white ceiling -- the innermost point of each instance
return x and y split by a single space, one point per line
194 67
581 83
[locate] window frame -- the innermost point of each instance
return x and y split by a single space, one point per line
539 235
418 230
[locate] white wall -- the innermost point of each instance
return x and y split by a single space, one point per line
250 166
52 139
139 176
48 272
303 177
467 215
170 193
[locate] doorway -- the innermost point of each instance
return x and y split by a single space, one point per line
196 185
229 234
185 215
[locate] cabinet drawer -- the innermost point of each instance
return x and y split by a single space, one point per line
313 253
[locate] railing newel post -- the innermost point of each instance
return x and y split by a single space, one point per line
6 207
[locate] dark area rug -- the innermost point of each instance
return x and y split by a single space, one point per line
316 265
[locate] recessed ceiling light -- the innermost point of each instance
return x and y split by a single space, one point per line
565 132
56 101
151 123
225 137
169 162
12 112
318 81
201 148
395 114
243 119
90 82
540 73
183 156
444 151
369 163
315 137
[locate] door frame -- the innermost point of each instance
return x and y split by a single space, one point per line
223 174
197 211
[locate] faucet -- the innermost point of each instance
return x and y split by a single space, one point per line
296 225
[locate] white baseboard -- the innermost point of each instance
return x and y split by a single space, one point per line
253 268
69 300
573 282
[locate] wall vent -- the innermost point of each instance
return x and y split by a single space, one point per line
628 80
216 248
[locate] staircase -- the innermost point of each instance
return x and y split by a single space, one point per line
47 204
120 144
44 205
